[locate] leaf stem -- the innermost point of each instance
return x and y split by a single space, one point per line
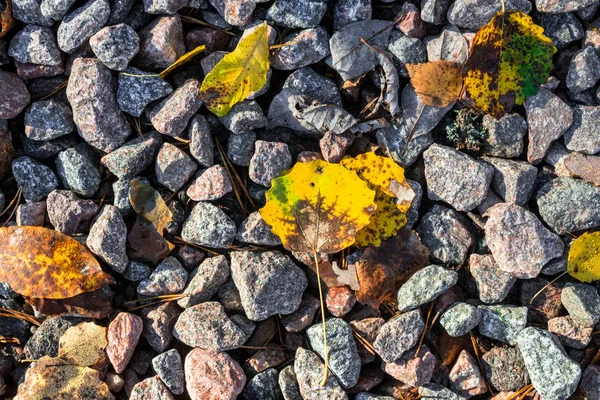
326 350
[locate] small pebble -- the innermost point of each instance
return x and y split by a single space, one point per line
212 184
133 157
80 24
16 96
208 372
460 319
254 230
201 146
502 322
173 167
412 369
504 368
136 90
425 286
36 179
169 368
171 115
115 46
465 377
205 280
68 213
107 238
161 43
159 321
590 382
169 277
582 302
340 300
493 284
398 335
78 171
123 335
208 225
301 318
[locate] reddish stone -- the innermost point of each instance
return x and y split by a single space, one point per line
412 369
265 359
123 335
158 325
32 71
303 316
465 377
161 43
410 22
570 333
213 376
115 382
151 388
340 300
15 95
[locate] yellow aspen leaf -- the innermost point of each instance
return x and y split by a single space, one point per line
437 83
51 378
318 207
83 345
43 263
393 196
239 73
584 257
510 58
149 204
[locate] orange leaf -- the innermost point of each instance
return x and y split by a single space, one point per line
437 83
383 269
43 263
6 19
584 166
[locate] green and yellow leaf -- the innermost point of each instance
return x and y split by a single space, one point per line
510 58
239 73
584 257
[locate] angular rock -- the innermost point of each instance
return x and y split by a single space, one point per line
169 368
340 300
15 95
150 388
171 115
136 92
297 14
504 368
493 284
68 213
581 135
263 386
410 22
208 225
44 341
288 384
80 24
505 136
31 214
348 11
268 161
137 271
169 277
36 179
513 180
164 7
308 82
115 46
201 146
435 391
268 281
584 70
107 238
243 117
161 43
173 167
307 47
254 230
29 11
208 373
35 45
424 286
55 9
412 369
473 14
398 335
309 374
133 157
434 11
562 29
123 335
77 171
158 325
465 377
502 323
301 318
460 318
582 302
590 382
569 332
205 281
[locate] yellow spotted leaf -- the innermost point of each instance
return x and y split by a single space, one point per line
437 83
239 73
393 196
510 58
83 345
51 378
43 263
584 257
318 207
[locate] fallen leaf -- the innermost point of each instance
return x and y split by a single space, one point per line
96 304
51 378
584 166
383 175
6 19
388 85
510 58
448 347
239 73
584 257
83 345
184 59
381 270
334 276
146 243
7 152
149 204
318 207
437 83
43 263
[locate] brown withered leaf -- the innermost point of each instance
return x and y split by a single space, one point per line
7 152
96 304
334 276
149 204
44 263
6 18
584 167
383 269
448 347
83 345
437 83
146 243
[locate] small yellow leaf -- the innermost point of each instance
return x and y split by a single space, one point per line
393 196
239 73
437 83
83 345
584 257
43 263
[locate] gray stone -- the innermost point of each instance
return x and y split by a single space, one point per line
68 213
460 318
449 45
201 145
169 277
306 81
569 205
519 242
161 43
562 6
438 392
584 70
288 384
303 317
77 171
269 283
446 234
235 12
263 386
31 214
80 24
296 14
582 135
46 120
56 9
29 11
268 161
36 179
513 181
107 238
35 45
493 284
398 335
96 113
344 361
133 157
582 301
173 167
412 216
207 326
309 374
136 271
212 184
348 11
121 192
44 341
562 28
456 178
553 374
473 14
548 117
115 46
502 322
590 382
15 95
306 47
208 225
136 92
164 6
434 11
254 230
371 396
244 116
171 115
119 11
504 368
159 321
169 368
205 281
406 50
505 136
240 148
424 286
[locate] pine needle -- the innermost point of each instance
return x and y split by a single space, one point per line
478 357
4 312
152 301
9 340
546 286
187 57
55 90
424 329
193 20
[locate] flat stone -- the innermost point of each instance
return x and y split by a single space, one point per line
504 368
68 213
502 322
208 373
412 369
135 92
344 361
455 178
424 286
581 134
553 374
460 319
170 116
473 14
36 179
77 171
123 335
519 242
173 167
296 14
243 117
306 81
582 301
493 284
208 225
36 45
115 46
169 368
309 374
465 377
269 283
398 335
133 157
205 281
80 24
107 238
